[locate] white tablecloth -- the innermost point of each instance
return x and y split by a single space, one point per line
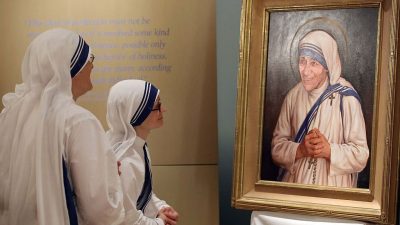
274 218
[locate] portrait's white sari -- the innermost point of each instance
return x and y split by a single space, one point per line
342 125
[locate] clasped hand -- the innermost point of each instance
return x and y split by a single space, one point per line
169 215
314 145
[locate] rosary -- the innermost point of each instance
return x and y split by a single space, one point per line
313 162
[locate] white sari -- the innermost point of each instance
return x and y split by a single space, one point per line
342 125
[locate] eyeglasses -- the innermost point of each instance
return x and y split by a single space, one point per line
158 107
91 58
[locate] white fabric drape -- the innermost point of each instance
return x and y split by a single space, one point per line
32 130
39 125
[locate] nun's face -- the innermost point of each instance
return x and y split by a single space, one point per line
313 74
81 82
155 118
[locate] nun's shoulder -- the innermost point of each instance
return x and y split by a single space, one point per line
349 101
76 114
295 91
344 82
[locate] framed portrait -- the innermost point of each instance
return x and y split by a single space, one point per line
317 127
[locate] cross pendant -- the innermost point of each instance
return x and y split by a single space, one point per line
331 97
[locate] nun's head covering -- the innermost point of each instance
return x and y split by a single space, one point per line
33 128
51 59
81 57
129 103
321 47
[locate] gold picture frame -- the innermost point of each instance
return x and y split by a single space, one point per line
377 201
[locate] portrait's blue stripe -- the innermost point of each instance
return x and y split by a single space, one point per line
312 47
309 50
314 55
309 123
342 90
311 114
350 92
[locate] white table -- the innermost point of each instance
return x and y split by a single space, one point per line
275 218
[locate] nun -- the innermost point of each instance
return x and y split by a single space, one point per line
56 165
133 110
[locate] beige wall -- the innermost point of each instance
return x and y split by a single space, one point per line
122 33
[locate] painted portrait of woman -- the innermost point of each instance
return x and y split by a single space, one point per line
319 97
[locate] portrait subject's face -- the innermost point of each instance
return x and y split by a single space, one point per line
313 74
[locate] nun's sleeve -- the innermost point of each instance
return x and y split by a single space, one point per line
283 149
131 178
94 173
352 155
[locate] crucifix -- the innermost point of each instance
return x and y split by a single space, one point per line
331 97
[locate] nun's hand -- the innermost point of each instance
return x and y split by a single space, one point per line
167 221
322 148
307 146
171 213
